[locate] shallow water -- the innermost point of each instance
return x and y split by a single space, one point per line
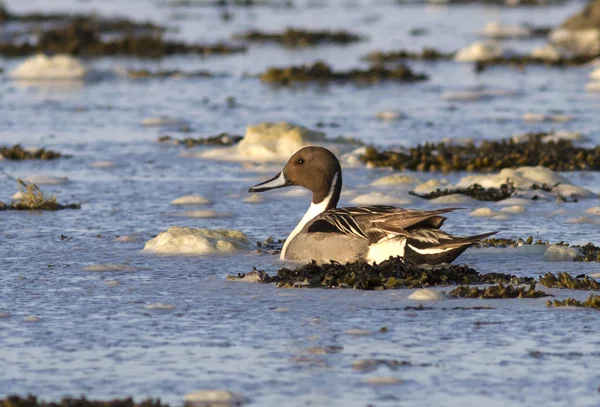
100 341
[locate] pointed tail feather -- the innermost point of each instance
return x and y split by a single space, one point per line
445 251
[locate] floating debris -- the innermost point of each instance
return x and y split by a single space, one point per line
18 153
498 291
504 243
564 280
320 72
167 74
32 401
518 61
223 139
31 198
557 155
474 191
299 38
593 301
392 273
427 54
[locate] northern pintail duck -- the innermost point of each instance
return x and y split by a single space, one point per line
372 233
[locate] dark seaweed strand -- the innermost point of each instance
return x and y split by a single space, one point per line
561 155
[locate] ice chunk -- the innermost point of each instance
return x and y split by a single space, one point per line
377 198
190 200
522 177
514 201
275 142
583 219
102 164
593 86
495 29
164 121
182 240
479 51
396 179
254 199
513 209
427 294
594 211
390 115
547 52
160 306
431 186
453 199
560 253
42 67
484 213
383 380
213 398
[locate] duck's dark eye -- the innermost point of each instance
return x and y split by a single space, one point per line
301 161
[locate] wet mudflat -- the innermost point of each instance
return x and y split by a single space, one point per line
84 311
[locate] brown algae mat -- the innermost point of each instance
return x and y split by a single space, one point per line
320 72
167 74
91 35
489 155
33 199
223 139
427 54
300 38
392 273
18 153
593 301
498 291
32 401
564 280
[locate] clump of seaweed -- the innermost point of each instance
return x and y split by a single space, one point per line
519 61
223 139
593 301
18 153
474 191
490 155
166 74
427 54
87 36
498 291
32 401
392 273
33 199
588 252
320 72
504 242
270 246
299 38
564 280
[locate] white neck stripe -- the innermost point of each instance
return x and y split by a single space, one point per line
313 211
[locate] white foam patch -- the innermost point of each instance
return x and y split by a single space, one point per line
594 211
389 115
514 209
560 253
275 142
203 214
103 164
160 306
164 121
192 241
453 199
496 29
46 180
573 191
254 199
431 186
383 380
190 200
514 201
583 219
523 177
42 67
109 268
427 294
377 198
547 52
484 213
593 86
213 398
396 179
595 74
479 51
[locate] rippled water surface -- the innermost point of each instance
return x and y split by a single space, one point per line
278 347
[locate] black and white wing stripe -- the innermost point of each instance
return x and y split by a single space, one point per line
336 222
